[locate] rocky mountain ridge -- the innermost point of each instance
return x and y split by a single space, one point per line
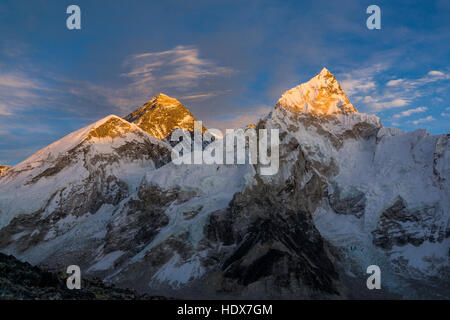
349 193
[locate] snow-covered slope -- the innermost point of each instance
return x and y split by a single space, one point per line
349 193
108 152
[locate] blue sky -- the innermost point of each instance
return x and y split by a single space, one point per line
227 61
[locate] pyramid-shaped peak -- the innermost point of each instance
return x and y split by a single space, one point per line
160 100
161 115
322 95
325 75
324 72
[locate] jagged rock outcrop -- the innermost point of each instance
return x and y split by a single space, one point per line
273 246
351 201
400 226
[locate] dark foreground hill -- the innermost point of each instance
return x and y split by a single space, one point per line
21 280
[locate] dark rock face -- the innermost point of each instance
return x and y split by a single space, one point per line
399 226
274 247
362 130
20 280
353 203
440 164
140 220
140 274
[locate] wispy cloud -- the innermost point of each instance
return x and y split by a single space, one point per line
179 67
409 112
389 104
240 119
4 109
422 120
18 91
203 96
13 48
365 87
436 73
17 81
199 96
362 80
432 76
392 83
177 71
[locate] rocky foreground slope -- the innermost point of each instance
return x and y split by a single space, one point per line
349 193
20 280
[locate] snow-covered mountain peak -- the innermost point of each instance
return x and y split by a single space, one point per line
162 115
111 130
322 95
163 100
110 125
99 158
324 72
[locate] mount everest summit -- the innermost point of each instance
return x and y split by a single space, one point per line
349 193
